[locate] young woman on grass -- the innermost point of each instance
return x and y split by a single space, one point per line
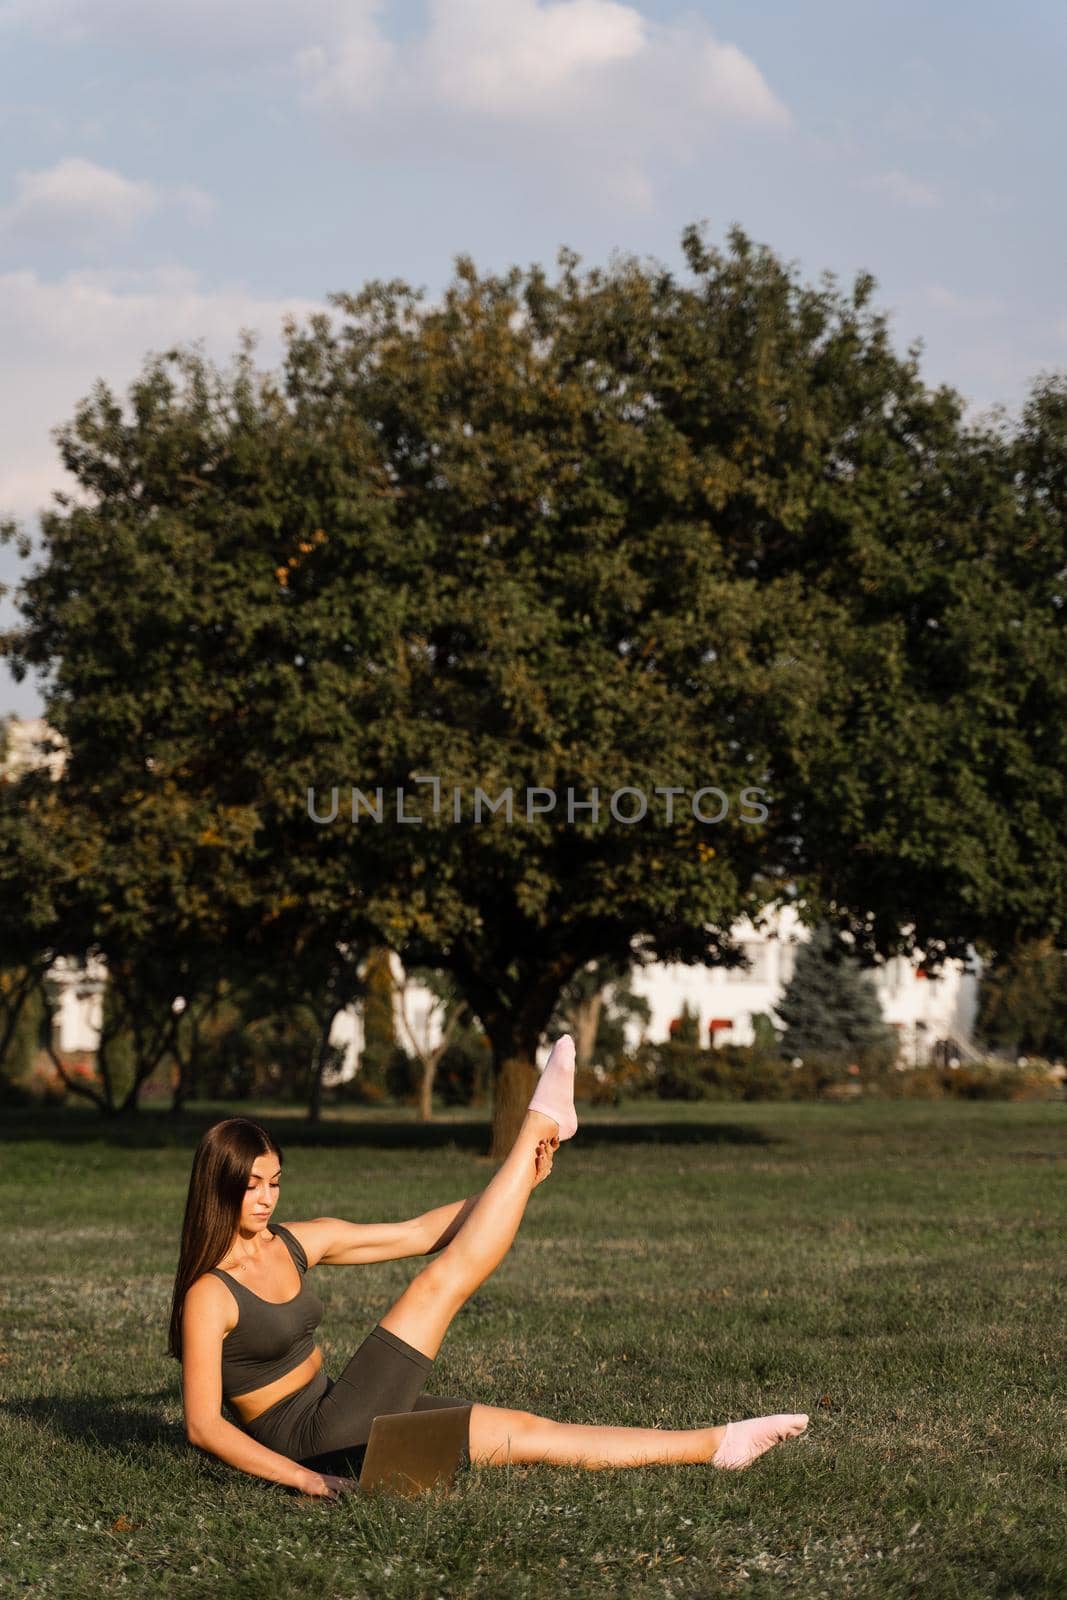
243 1318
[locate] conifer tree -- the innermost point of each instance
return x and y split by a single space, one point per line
686 1028
830 1007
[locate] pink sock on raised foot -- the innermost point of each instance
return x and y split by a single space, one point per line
554 1095
744 1441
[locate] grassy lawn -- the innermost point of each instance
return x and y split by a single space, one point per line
897 1270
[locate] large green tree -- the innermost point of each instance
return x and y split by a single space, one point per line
624 530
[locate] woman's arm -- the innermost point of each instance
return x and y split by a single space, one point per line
239 1449
440 1226
204 1322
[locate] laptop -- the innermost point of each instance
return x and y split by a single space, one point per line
407 1452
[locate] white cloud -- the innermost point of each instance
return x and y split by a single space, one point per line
76 195
78 202
354 70
515 57
734 89
59 337
517 60
901 187
587 92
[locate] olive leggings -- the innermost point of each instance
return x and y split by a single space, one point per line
326 1424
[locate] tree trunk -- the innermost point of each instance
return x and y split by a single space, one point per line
514 1018
183 1084
586 1023
429 1072
515 1082
322 1050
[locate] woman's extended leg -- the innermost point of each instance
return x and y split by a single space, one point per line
498 1436
425 1309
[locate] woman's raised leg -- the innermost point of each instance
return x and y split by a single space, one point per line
425 1309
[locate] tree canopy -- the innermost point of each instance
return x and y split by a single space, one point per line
627 530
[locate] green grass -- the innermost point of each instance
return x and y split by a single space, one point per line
897 1270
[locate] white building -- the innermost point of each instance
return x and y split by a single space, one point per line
923 1010
23 747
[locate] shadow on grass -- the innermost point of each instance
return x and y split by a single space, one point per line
158 1130
128 1429
99 1420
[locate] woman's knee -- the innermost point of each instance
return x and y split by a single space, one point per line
499 1434
423 1313
442 1282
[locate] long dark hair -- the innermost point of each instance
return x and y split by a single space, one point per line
218 1182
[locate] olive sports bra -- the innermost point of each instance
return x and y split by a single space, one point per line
270 1338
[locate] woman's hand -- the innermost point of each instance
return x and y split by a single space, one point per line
325 1486
545 1151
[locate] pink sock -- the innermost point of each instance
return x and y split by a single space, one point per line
744 1441
554 1095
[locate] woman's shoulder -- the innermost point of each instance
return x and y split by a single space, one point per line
300 1233
209 1294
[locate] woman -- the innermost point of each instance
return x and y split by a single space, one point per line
243 1318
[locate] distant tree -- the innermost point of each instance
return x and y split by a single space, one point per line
379 1022
26 1039
685 1029
580 1006
36 888
464 1074
429 1038
205 1020
1022 1000
622 1007
765 1036
830 1007
594 1007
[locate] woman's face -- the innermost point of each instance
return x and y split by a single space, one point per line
261 1193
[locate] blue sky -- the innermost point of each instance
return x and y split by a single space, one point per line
175 173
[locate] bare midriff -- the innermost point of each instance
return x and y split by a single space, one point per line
255 1401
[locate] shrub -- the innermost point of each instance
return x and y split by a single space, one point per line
680 1071
633 1076
596 1085
981 1080
747 1072
362 1089
985 1081
750 1072
43 1085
